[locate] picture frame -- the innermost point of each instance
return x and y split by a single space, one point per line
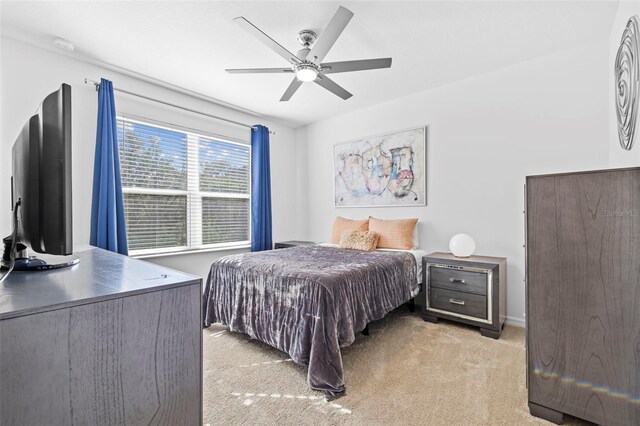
387 170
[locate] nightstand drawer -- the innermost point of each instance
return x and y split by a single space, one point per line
457 280
462 303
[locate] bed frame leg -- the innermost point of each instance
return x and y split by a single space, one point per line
365 332
412 305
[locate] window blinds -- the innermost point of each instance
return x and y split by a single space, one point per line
182 190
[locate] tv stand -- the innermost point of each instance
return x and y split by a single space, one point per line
42 263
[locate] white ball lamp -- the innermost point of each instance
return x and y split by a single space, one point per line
462 245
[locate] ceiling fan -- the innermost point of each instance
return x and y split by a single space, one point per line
307 64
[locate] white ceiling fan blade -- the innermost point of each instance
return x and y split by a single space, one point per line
295 84
333 87
257 70
271 43
361 65
330 34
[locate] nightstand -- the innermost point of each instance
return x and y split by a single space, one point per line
292 243
471 290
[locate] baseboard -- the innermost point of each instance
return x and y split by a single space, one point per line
516 322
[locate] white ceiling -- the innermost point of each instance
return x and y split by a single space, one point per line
189 44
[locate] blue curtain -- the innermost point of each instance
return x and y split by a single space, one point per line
260 190
108 229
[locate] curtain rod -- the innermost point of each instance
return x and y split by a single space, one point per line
237 123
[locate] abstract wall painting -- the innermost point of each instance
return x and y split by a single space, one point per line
385 170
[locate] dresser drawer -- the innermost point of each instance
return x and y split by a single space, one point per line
458 280
455 301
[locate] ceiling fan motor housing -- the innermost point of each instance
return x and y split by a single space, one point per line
302 54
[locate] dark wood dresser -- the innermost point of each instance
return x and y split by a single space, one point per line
111 340
471 290
583 296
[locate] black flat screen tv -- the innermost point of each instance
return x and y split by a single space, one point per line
41 188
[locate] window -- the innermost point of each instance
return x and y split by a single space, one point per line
182 190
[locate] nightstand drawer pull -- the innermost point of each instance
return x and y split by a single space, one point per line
469 281
456 302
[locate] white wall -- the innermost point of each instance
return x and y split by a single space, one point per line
28 74
619 157
484 135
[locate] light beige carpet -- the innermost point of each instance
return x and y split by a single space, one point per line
406 371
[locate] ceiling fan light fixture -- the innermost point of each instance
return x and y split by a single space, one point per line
306 72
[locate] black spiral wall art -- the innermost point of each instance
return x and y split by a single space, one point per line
627 72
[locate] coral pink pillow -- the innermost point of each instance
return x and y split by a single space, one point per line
342 224
394 234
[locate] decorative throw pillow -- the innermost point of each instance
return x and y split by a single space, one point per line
359 240
342 224
394 234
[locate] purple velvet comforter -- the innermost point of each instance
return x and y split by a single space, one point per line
308 301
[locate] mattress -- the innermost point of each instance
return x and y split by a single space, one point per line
418 254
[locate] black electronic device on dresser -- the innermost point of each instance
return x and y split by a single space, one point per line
470 290
292 243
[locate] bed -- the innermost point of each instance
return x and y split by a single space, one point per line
310 301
